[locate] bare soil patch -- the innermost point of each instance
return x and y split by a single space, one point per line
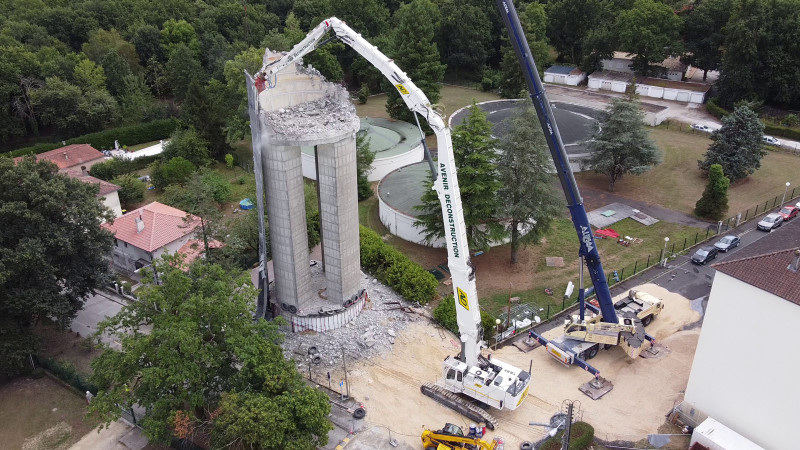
645 389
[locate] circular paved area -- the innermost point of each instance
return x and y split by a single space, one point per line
574 122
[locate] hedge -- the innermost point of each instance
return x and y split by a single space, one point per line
714 109
394 269
132 135
777 130
67 373
581 436
115 167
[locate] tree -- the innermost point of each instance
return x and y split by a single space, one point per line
464 49
534 22
69 109
53 252
650 31
761 54
116 70
737 145
418 57
714 202
181 69
475 158
195 359
102 42
364 159
704 34
131 190
188 145
528 198
204 109
175 171
569 23
620 144
89 75
179 35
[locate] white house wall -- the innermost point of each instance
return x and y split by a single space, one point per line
569 80
111 201
745 368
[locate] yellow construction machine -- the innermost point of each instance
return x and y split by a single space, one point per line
452 437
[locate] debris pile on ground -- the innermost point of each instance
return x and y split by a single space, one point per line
329 115
372 333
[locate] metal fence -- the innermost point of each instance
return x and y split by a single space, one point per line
516 323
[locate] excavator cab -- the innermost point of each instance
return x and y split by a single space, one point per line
453 430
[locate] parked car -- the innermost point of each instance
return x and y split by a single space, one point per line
770 222
704 254
771 140
727 243
703 128
789 212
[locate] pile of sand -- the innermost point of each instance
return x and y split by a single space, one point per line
645 390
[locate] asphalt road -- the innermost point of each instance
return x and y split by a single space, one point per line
574 121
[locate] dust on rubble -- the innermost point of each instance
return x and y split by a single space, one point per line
644 389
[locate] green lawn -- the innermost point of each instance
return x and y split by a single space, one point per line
677 183
133 148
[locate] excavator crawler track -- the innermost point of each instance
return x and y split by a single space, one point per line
455 402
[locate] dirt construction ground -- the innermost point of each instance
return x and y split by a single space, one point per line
645 390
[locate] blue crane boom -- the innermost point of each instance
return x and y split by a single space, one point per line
588 248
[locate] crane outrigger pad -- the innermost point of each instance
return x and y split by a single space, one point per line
596 388
455 402
656 351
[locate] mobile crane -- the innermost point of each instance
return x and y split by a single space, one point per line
491 382
583 336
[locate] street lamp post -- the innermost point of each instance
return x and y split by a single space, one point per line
784 193
664 262
497 332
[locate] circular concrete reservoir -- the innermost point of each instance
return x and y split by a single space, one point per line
398 195
395 144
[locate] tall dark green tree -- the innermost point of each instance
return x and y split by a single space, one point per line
181 69
53 252
465 50
620 144
569 23
762 53
651 31
476 158
737 146
534 23
528 196
704 34
417 56
205 110
714 202
364 159
205 367
116 69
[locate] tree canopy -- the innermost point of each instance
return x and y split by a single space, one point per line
714 202
620 144
195 359
53 252
737 146
529 199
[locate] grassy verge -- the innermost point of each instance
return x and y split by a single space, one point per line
133 148
562 241
677 183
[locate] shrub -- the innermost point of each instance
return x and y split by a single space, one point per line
363 94
445 314
116 167
791 120
131 190
132 135
777 130
390 266
67 373
714 109
580 438
229 160
175 171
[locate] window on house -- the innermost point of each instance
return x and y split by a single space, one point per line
126 244
116 243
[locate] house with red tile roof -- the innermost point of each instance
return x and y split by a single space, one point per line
744 373
145 234
73 159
